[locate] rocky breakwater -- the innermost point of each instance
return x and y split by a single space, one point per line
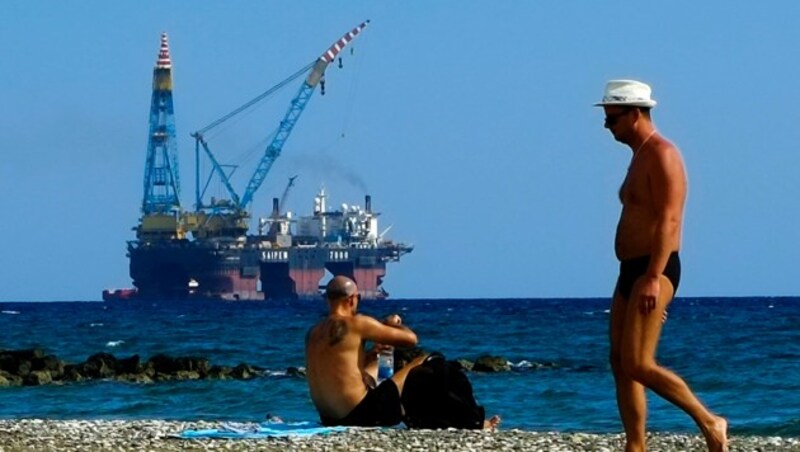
33 367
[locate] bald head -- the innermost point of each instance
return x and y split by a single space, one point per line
340 287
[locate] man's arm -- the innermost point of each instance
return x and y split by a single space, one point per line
379 333
668 190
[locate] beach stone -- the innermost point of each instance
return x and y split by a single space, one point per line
488 363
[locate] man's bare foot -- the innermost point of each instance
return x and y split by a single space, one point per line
717 435
492 423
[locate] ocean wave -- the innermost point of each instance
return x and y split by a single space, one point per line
533 365
10 312
114 343
94 324
275 373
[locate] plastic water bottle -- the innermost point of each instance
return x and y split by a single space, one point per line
385 364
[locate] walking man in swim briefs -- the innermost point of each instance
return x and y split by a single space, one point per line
647 242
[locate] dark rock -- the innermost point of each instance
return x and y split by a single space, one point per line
32 367
23 369
128 365
7 379
193 364
135 378
489 363
187 375
72 372
23 355
52 364
7 363
148 369
242 372
100 365
296 372
164 364
465 364
220 372
37 378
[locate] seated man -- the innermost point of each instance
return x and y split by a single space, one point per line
341 373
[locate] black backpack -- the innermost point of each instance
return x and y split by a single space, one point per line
437 394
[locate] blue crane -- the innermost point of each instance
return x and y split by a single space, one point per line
298 104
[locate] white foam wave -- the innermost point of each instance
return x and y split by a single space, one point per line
10 312
114 343
95 324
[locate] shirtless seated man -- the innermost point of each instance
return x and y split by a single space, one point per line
341 373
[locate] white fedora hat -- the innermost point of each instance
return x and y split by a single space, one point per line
627 93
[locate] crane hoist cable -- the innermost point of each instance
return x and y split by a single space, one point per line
256 99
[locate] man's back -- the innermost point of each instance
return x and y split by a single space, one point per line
334 357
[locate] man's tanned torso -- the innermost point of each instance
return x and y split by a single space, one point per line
642 192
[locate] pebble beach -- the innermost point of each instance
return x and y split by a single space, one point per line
109 435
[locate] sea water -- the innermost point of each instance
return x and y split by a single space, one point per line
741 356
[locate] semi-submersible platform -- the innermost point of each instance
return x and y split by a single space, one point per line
209 253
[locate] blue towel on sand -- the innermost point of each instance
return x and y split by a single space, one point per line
262 430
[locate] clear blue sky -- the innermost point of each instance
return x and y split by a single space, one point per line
469 122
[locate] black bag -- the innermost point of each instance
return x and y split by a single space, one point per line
437 394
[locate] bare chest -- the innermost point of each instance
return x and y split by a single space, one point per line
634 189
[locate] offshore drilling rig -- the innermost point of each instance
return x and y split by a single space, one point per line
208 253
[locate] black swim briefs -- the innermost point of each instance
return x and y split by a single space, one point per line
631 269
380 407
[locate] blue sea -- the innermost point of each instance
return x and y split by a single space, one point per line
740 355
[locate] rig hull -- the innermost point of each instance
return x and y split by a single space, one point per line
182 269
188 270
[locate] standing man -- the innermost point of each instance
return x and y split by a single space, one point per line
647 243
341 373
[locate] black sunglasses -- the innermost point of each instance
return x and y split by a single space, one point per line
612 119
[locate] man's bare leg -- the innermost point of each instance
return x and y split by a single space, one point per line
399 377
638 348
631 400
